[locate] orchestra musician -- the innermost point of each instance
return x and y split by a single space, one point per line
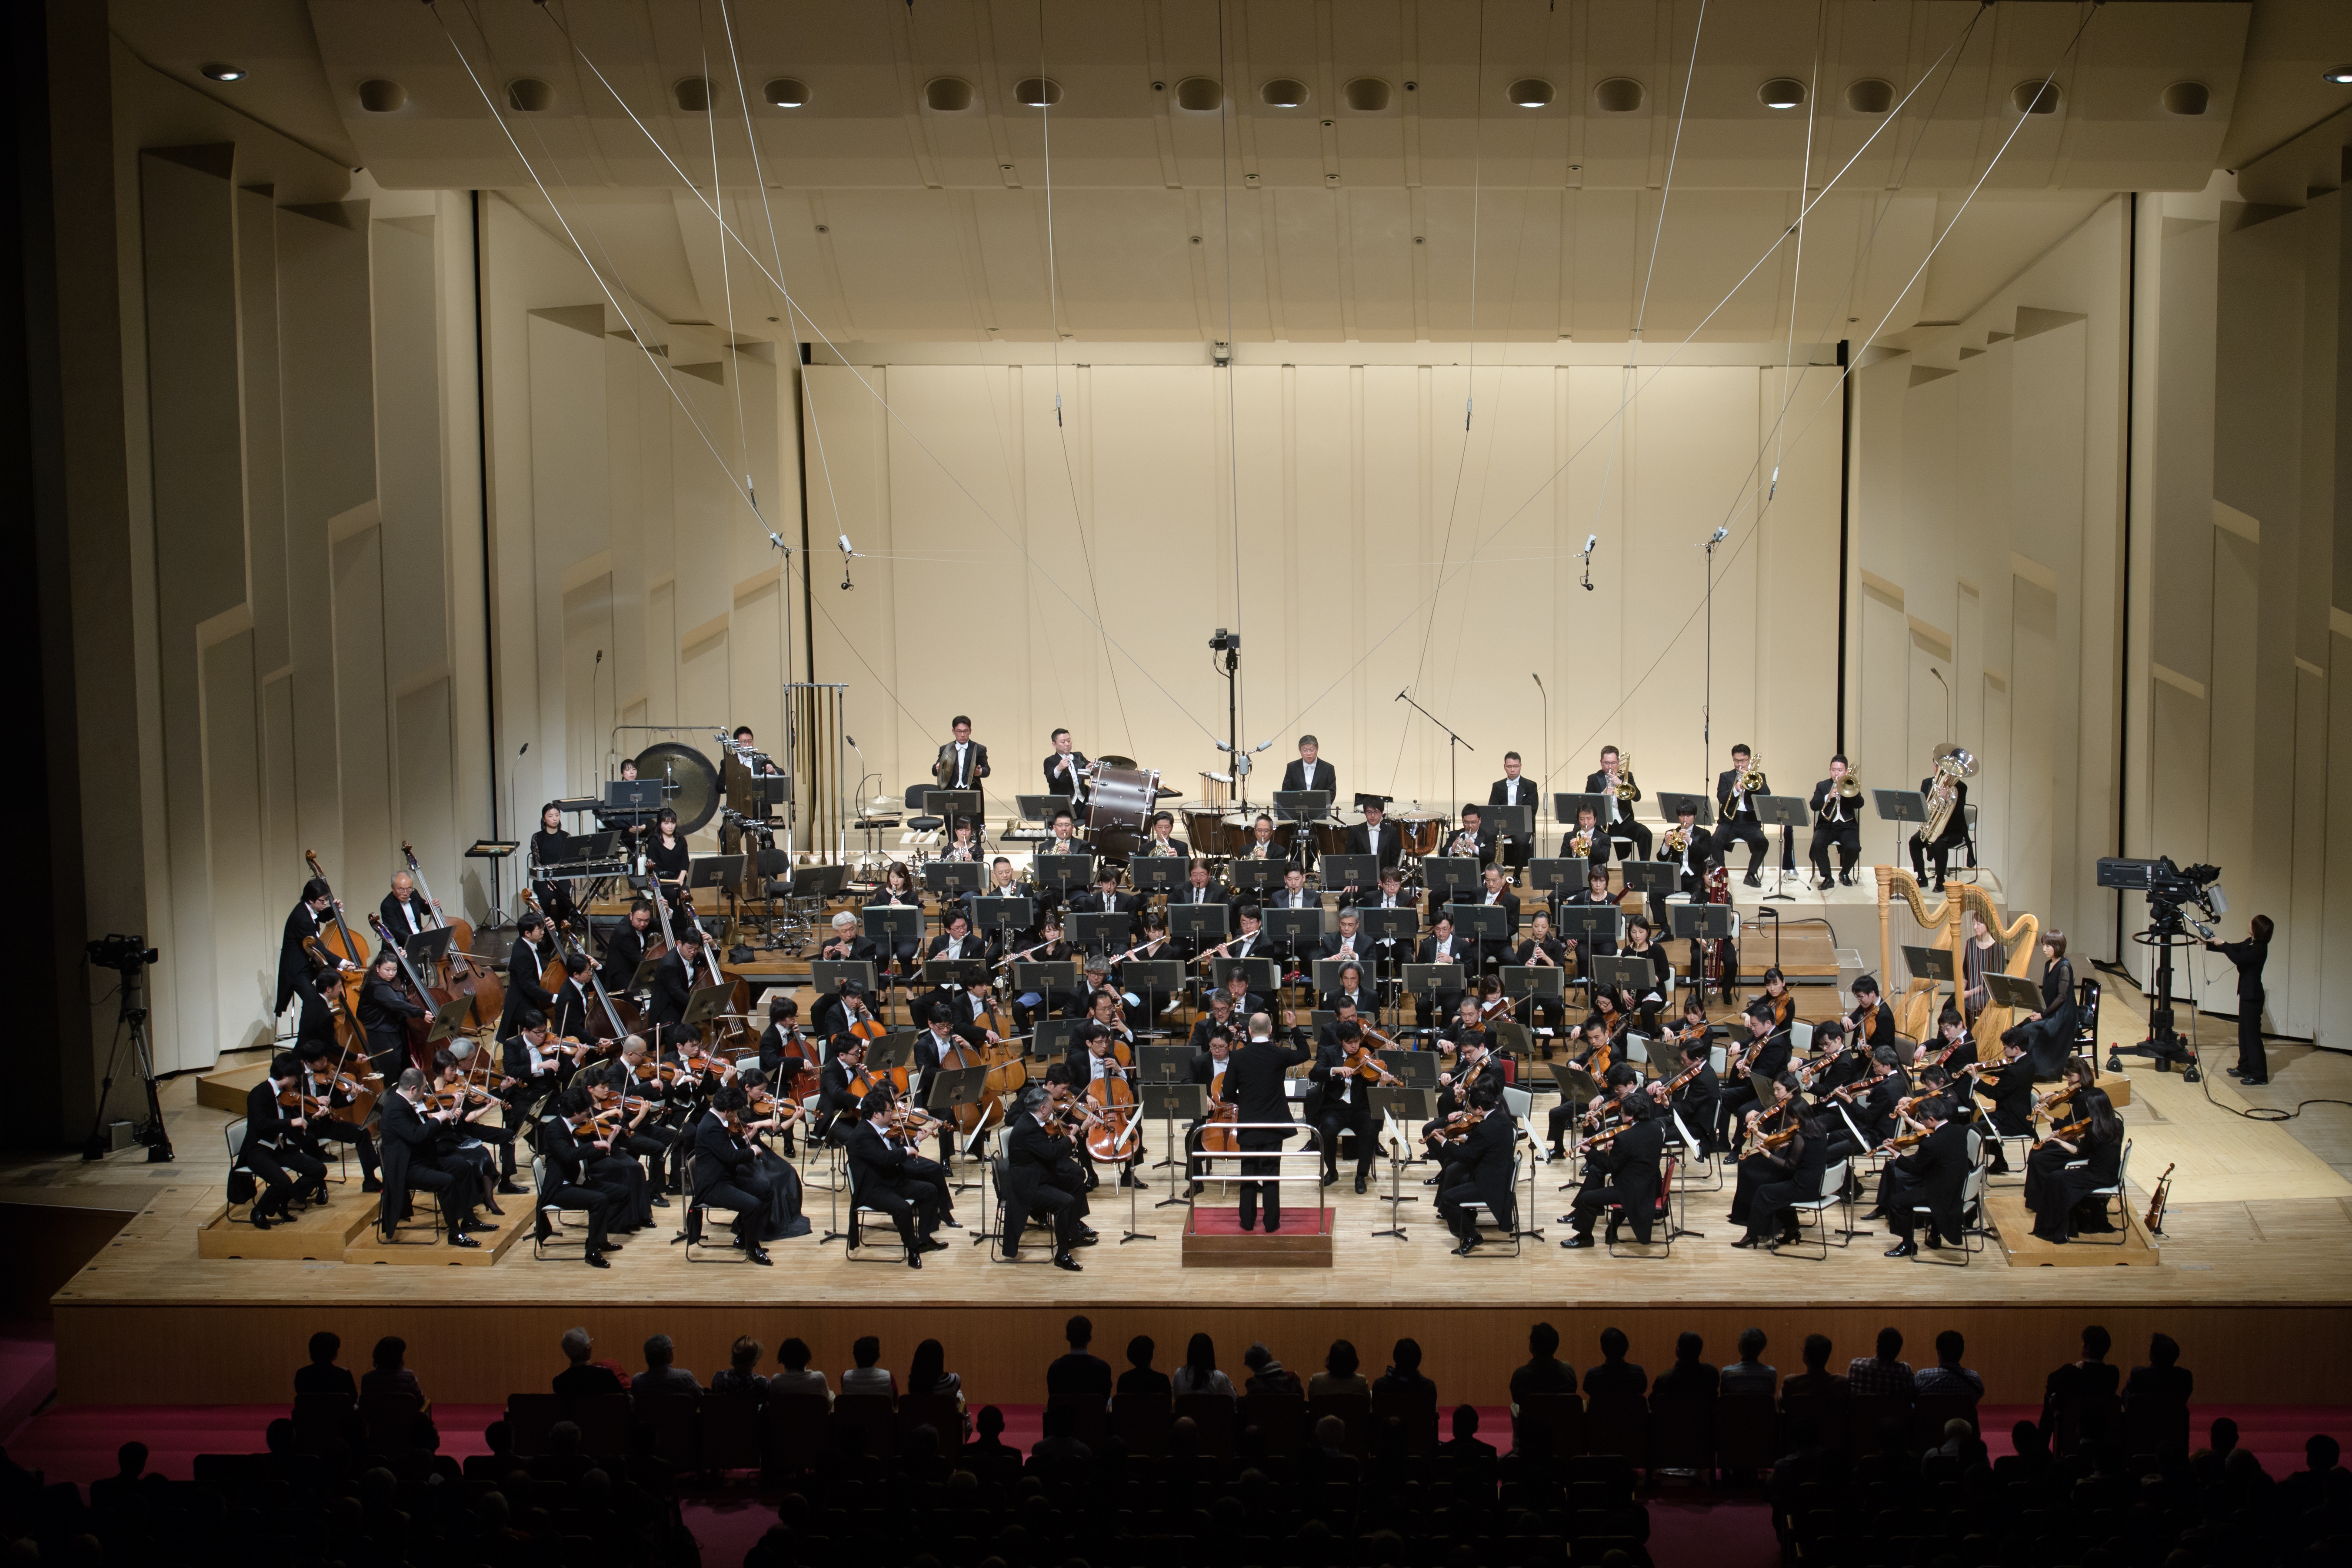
567 1185
643 1134
1687 847
742 768
1778 1175
1735 810
384 1009
1837 821
1213 1050
1388 952
1542 950
668 860
1596 895
1624 1176
1376 835
577 1014
727 1175
1585 841
962 763
1293 893
1062 839
1955 834
2008 1083
1002 885
1495 893
1478 1169
1871 1020
527 962
1310 772
275 1149
1219 1015
625 947
1642 944
413 1162
964 843
308 920
1473 841
1696 1100
1163 841
1932 1175
1442 946
1345 1105
2048 1035
672 988
1254 1085
1765 1051
550 846
1346 945
405 912
1511 789
1618 819
1093 1057
1066 771
1980 954
1042 1177
632 823
1263 845
1106 899
2069 1165
1871 1102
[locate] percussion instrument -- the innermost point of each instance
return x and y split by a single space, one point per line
1122 797
1205 830
1329 837
696 796
1421 833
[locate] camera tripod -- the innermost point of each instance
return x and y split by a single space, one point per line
131 1023
2164 1042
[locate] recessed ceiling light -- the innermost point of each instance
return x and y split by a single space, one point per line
1037 91
1284 92
786 92
1530 92
219 72
2340 75
1781 92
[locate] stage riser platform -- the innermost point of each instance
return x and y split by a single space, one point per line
224 1355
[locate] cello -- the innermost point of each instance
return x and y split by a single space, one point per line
467 975
1113 1099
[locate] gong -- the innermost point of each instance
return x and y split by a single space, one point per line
691 782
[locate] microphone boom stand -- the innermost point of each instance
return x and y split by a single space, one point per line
1453 760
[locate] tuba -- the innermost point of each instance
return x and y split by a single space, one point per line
1951 764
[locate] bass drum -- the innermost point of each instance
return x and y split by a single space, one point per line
690 784
1122 797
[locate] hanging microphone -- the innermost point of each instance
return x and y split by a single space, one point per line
1537 678
850 738
1223 746
1720 535
777 540
1591 543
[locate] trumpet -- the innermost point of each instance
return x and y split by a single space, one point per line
1579 845
1675 842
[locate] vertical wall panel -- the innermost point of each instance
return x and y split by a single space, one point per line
363 716
422 723
245 977
2033 743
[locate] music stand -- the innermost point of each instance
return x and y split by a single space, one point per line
1541 981
1100 933
1428 980
2015 992
707 1002
1171 1101
1417 1069
1050 1039
643 980
953 878
818 882
1149 979
1515 823
1205 925
1564 807
1574 1082
1042 980
895 1049
1656 876
1006 913
430 946
1292 927
1163 1063
1407 1106
825 974
1301 804
1158 873
1590 925
951 806
723 872
1671 803
958 972
633 794
1899 806
948 1090
1704 922
1376 926
1327 972
1489 924
1265 975
1044 807
1455 874
1257 876
1559 878
1344 872
1787 813
1934 964
1633 973
1062 872
449 1018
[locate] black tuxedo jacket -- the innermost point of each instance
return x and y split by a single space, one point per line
625 948
1032 1158
1324 776
975 768
1254 1076
874 1160
1824 798
1724 782
672 987
1521 791
1484 1161
1938 1168
525 964
1597 783
719 1155
1485 841
1059 783
1388 843
406 919
1956 829
293 963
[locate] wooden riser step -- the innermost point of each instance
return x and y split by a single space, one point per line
1213 1239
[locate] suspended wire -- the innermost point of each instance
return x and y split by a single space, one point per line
726 284
896 418
1804 184
1233 421
1054 323
1662 367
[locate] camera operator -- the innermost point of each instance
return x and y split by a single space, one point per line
2253 1067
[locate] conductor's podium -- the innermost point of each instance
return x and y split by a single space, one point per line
1214 1237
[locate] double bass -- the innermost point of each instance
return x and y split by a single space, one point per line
466 975
432 998
338 943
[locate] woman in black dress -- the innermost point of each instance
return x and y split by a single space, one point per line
667 858
1772 1180
783 1219
2048 1036
2253 1065
2081 1154
551 845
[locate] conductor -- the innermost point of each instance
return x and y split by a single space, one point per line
1254 1084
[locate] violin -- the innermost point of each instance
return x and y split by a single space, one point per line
1359 1059
1455 1127
2067 1133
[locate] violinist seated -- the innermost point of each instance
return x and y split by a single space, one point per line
1478 1168
1837 1060
468 1140
1345 1070
385 1007
878 1173
1931 1175
336 1090
1473 1064
632 1077
727 1173
624 948
673 990
1351 993
2079 1156
2009 1084
1695 1099
1869 1101
1585 1051
1105 1049
1041 1175
840 1086
1542 950
535 1061
420 1156
527 963
569 1140
1777 996
275 1149
1788 1156
1765 1051
1442 946
1622 1176
922 1175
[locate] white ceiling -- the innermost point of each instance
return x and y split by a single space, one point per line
893 221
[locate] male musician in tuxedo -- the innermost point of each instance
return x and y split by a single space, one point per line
1042 1174
1955 834
1836 821
1932 1175
1871 1020
577 1011
1219 1014
1494 892
1585 841
1346 943
1696 1099
1442 946
672 988
1254 1085
1163 841
318 1061
273 1149
643 1135
727 1173
962 763
1092 1058
1293 893
1686 846
405 910
1765 1050
308 919
1735 810
1473 841
569 1156
1263 844
1478 1169
1376 835
527 962
414 1161
955 943
1106 899
1345 1105
1066 770
1388 952
1542 950
1617 821
625 947
887 1177
1514 789
1200 889
1625 1173
1310 772
2009 1084
739 772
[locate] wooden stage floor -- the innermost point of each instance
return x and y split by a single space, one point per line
2252 1256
